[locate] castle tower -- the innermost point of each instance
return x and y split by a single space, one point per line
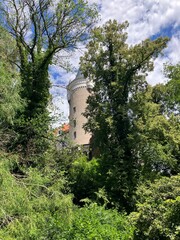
77 96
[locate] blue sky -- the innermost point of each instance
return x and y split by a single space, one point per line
147 19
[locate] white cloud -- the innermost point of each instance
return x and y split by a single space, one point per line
145 17
173 49
157 75
171 56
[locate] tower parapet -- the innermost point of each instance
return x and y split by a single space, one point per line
78 92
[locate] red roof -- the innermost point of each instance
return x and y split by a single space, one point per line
65 127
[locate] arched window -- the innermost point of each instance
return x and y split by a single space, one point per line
75 135
74 123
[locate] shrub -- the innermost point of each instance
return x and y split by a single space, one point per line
32 203
95 222
158 210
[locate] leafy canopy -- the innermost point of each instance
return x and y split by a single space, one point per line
158 210
117 70
42 29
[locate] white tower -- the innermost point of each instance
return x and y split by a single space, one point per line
77 96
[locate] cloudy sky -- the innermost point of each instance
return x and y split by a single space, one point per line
147 19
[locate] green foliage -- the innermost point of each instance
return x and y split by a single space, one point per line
32 203
84 176
168 95
157 136
10 100
117 70
54 27
158 210
173 86
8 50
94 222
33 206
31 136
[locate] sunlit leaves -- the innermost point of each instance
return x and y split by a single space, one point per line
158 210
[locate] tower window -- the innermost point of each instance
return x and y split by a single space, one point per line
75 135
74 123
74 109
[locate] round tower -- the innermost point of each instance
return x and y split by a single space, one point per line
78 92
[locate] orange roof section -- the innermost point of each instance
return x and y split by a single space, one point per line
65 127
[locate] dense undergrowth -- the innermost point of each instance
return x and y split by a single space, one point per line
34 205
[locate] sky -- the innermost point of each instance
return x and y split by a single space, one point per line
147 19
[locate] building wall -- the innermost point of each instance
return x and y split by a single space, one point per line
77 97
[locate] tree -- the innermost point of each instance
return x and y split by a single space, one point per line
84 179
10 100
168 95
158 210
156 131
38 206
173 73
117 70
35 207
9 80
42 29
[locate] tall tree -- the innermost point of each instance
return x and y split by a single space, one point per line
10 100
173 73
117 70
158 210
9 79
157 132
42 29
168 95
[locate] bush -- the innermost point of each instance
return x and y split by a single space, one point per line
32 203
84 177
158 210
33 206
95 222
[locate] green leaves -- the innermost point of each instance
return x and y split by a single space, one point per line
157 136
10 100
41 29
83 177
158 210
118 72
94 222
32 204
